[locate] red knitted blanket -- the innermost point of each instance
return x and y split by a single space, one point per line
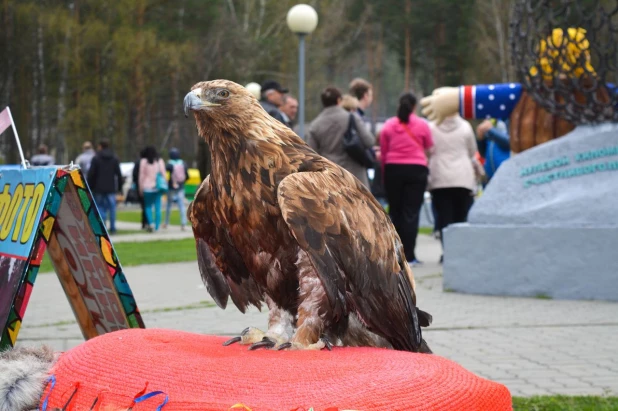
156 369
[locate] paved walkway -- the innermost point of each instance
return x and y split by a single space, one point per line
533 346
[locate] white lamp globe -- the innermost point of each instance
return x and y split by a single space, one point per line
255 89
302 19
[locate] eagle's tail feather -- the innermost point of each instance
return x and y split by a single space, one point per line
425 348
411 338
424 318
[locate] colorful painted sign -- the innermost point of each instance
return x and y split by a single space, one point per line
22 199
53 209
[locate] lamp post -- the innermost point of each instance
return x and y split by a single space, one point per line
302 20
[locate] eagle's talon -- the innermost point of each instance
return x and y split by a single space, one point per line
284 346
327 344
266 342
321 344
248 336
232 341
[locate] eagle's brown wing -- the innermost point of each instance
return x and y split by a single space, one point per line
221 266
356 252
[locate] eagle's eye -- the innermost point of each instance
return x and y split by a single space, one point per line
223 94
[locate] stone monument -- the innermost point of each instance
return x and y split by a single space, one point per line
547 223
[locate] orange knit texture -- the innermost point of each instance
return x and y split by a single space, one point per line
196 372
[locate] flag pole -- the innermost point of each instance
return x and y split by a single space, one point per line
21 153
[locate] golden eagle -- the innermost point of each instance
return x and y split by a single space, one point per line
275 222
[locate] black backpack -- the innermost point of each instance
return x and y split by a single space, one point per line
355 148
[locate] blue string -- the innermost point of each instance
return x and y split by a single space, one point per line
53 383
150 395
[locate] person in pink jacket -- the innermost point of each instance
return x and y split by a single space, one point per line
405 143
149 167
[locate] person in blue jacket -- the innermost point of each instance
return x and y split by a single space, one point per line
493 144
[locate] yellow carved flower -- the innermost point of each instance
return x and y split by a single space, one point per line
567 53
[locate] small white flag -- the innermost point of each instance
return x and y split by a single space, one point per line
5 120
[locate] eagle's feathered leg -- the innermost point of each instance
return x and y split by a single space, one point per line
281 325
312 320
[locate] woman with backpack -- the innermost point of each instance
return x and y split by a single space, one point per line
405 142
152 185
179 173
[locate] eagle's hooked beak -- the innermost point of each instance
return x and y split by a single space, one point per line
193 101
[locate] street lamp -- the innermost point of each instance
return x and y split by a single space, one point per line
302 20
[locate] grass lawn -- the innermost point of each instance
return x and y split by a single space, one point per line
154 252
124 232
425 230
135 216
150 252
565 403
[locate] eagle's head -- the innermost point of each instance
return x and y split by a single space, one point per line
224 107
226 112
217 98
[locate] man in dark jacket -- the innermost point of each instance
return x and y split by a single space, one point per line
135 186
105 180
272 99
289 109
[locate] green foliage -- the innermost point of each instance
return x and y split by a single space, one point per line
76 70
565 403
440 34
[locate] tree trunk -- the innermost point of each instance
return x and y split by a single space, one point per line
36 98
62 88
369 45
175 110
42 94
8 59
501 40
138 75
406 81
76 85
7 86
440 65
260 20
377 81
175 88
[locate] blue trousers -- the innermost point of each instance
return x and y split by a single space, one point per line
105 203
152 199
178 197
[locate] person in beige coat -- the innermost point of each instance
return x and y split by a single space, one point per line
452 176
326 132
